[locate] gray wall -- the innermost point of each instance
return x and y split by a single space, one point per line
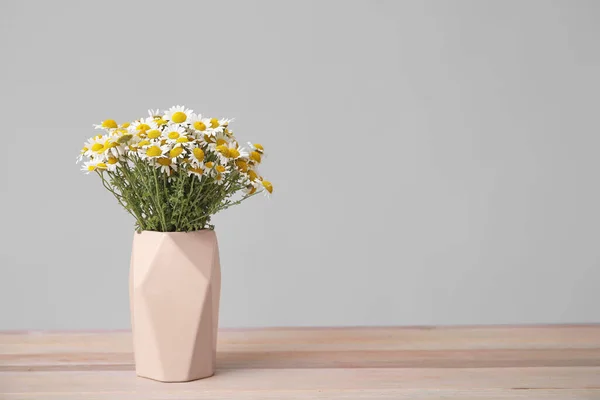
434 162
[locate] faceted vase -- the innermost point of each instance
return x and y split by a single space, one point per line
174 289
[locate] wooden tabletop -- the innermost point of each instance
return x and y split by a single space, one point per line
526 362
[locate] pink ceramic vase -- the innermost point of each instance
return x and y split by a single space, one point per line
174 289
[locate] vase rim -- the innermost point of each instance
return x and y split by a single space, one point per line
175 233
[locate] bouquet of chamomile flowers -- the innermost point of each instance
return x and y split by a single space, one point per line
173 170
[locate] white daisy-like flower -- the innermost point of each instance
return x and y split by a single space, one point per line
234 151
217 139
209 168
151 151
93 146
253 175
93 165
142 126
154 114
196 170
177 151
267 187
197 156
199 125
257 147
107 125
178 114
219 178
166 165
172 132
251 187
219 170
112 163
218 125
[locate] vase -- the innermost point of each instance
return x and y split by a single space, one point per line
174 289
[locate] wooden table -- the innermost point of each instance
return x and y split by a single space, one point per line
533 362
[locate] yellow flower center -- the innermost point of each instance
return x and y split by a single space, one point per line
268 186
182 139
143 127
84 149
219 177
173 135
164 161
252 189
233 153
259 147
153 151
125 125
199 154
124 138
112 160
153 134
210 164
110 145
242 165
214 123
143 143
198 170
221 142
160 122
175 152
199 125
91 167
209 139
97 147
220 168
255 156
109 123
223 149
178 117
101 165
252 175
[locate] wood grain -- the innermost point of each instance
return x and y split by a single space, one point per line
533 362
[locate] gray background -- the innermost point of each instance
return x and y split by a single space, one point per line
434 162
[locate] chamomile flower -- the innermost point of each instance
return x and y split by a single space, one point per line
178 114
154 114
251 188
150 150
232 150
112 163
197 170
209 167
198 124
197 156
177 151
166 165
218 125
93 165
257 147
252 175
219 178
93 146
217 139
172 132
242 164
140 127
267 187
107 125
255 157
